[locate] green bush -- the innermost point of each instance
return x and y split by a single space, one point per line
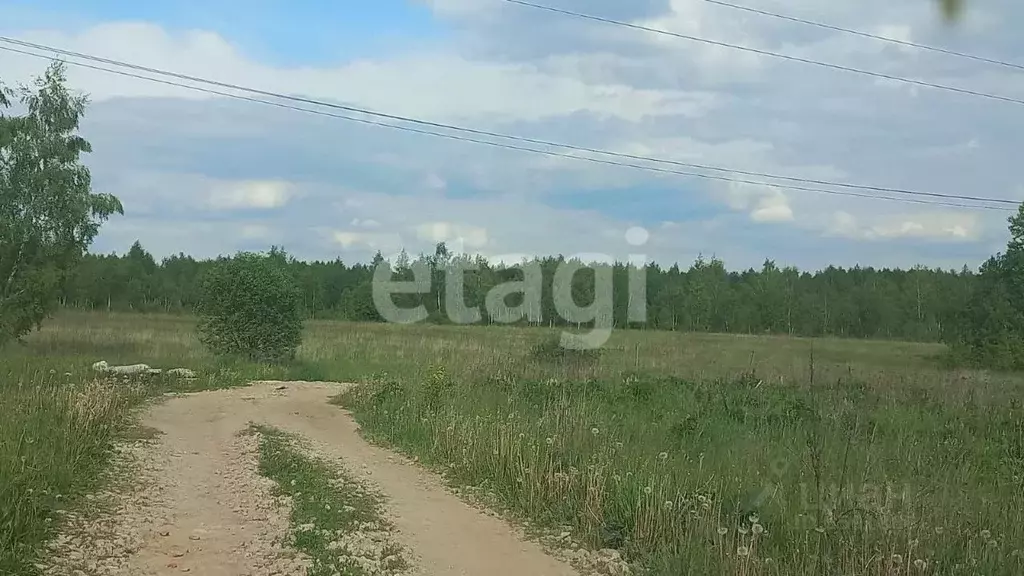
551 351
250 306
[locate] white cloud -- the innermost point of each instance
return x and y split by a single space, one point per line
772 209
462 237
922 225
385 242
472 89
763 204
579 82
258 194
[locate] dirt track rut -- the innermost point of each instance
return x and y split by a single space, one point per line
207 511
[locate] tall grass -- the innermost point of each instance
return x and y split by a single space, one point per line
58 421
863 462
734 476
55 438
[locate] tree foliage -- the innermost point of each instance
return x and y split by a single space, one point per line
859 302
990 328
952 9
249 306
48 212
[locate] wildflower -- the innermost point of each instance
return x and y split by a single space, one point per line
327 507
757 529
986 535
742 551
549 441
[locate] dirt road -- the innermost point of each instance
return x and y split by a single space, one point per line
200 506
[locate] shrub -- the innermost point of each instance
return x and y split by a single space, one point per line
551 351
250 306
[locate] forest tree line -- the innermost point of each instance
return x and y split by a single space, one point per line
914 304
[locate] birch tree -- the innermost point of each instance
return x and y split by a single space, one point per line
48 213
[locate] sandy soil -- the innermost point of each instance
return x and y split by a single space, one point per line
197 503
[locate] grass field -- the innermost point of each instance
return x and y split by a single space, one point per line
693 454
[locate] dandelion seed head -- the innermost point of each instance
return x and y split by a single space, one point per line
919 564
549 441
663 456
648 489
986 535
595 431
757 529
897 559
742 551
722 530
668 505
753 518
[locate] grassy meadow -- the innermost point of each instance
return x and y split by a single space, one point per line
690 453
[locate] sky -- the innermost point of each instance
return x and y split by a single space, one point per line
207 175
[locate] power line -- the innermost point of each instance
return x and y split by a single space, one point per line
499 144
802 60
868 35
420 122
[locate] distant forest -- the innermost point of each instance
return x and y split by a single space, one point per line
915 304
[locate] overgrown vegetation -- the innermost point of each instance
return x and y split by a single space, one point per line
332 513
58 422
249 307
731 476
55 436
551 351
939 425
